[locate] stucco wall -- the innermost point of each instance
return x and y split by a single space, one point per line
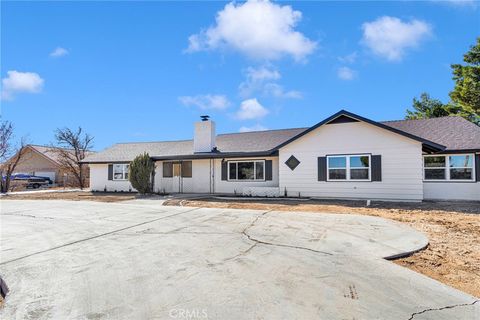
401 163
32 162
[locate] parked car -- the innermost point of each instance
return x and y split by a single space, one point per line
30 181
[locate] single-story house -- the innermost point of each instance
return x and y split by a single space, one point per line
344 156
43 161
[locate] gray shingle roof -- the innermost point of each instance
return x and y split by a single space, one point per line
246 142
453 132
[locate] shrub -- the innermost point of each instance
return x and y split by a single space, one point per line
141 171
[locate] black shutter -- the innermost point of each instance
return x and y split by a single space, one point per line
376 168
322 168
110 172
224 170
168 169
268 170
477 167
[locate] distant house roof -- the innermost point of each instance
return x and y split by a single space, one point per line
49 153
439 134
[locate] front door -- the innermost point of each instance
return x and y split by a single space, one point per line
177 177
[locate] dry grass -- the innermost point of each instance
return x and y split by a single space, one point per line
453 229
75 196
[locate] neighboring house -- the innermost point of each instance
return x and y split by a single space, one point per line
43 161
344 156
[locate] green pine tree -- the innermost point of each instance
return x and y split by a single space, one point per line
466 93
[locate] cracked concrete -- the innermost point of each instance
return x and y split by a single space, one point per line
140 260
418 315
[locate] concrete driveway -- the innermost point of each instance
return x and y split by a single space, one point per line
140 260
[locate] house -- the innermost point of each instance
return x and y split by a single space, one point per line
344 156
43 161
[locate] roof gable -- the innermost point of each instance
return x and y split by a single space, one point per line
428 145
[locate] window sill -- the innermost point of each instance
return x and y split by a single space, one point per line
351 181
450 181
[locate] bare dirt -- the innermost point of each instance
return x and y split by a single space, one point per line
75 196
453 229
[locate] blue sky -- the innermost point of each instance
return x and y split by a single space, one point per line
129 71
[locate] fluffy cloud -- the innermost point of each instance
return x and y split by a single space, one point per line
345 73
20 82
251 109
256 28
390 37
256 127
58 52
262 80
206 102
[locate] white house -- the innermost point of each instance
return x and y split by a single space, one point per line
344 156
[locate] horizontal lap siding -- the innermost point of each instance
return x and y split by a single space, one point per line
222 186
99 180
198 183
452 190
401 163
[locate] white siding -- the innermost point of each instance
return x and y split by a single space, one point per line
401 163
222 186
99 180
198 183
451 190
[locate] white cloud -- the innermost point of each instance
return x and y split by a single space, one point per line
256 28
59 52
262 80
256 127
251 109
277 91
349 58
20 82
206 102
390 37
345 73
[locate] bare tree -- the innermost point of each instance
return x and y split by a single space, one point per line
72 147
10 155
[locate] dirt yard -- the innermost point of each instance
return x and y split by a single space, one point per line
453 228
75 196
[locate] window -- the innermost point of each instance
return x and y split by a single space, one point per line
435 168
186 169
452 167
168 169
348 167
176 169
120 171
246 170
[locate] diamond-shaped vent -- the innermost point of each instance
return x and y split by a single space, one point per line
292 162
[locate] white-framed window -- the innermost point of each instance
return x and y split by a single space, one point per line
355 167
453 167
253 170
120 171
